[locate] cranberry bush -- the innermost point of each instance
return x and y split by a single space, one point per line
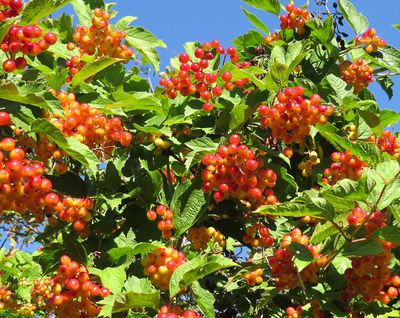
260 178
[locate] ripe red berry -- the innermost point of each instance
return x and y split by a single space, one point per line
5 119
9 66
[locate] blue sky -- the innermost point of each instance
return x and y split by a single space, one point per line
180 21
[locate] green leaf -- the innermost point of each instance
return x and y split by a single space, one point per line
189 202
323 31
388 233
272 6
111 277
345 193
302 256
340 87
397 27
365 151
386 83
84 10
135 101
303 206
90 69
388 57
137 293
69 183
5 26
195 269
255 21
124 23
388 117
9 91
357 21
75 249
145 43
204 299
70 145
130 251
362 248
39 9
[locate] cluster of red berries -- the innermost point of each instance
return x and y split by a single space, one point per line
192 78
6 299
76 211
258 235
316 308
295 19
371 41
165 225
292 312
23 188
22 39
369 274
268 39
86 124
283 269
70 293
161 264
344 166
388 143
254 277
307 166
359 74
235 171
22 185
290 119
10 8
202 235
176 312
99 39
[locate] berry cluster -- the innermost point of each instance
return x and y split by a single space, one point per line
193 79
202 235
76 211
161 144
254 277
28 40
292 312
268 39
72 291
237 172
371 41
369 274
86 124
295 19
388 143
99 39
307 166
165 225
257 235
176 312
344 166
161 264
353 133
22 185
359 75
283 269
7 299
10 8
290 119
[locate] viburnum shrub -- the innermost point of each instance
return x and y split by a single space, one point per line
260 178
